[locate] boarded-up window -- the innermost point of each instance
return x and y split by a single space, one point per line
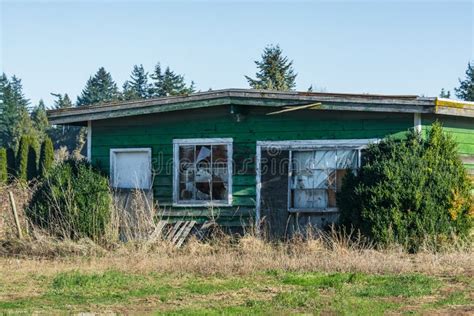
317 176
131 168
203 171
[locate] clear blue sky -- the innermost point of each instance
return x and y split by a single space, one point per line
397 47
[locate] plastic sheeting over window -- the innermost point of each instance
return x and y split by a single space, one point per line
317 175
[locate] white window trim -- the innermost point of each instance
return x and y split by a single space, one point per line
201 141
113 151
356 144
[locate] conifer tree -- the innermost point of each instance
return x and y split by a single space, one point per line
275 71
137 87
64 135
99 88
445 93
46 157
62 101
40 120
14 117
169 83
466 86
3 166
11 163
32 163
22 158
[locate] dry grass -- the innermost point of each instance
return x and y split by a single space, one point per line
22 195
224 256
146 274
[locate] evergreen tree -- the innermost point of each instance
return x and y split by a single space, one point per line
62 102
65 135
137 87
40 120
275 71
46 157
14 119
11 163
466 86
22 158
168 83
445 94
32 163
3 166
99 88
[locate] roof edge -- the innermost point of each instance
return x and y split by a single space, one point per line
334 101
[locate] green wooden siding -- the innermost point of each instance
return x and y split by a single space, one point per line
462 129
158 131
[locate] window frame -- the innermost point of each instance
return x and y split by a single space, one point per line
228 142
335 148
314 144
114 151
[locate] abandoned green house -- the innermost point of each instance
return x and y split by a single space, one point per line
249 156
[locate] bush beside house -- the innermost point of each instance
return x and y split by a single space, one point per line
72 201
412 192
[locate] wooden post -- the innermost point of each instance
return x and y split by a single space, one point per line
15 214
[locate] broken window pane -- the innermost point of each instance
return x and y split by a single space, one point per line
347 159
317 176
203 172
219 154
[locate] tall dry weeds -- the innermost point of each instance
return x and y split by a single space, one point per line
144 251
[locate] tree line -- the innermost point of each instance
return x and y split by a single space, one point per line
19 120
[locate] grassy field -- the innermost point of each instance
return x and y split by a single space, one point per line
267 292
248 277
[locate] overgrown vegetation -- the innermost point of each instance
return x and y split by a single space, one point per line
73 201
46 157
247 276
3 166
410 192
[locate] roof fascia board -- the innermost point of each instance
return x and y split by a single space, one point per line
442 110
94 114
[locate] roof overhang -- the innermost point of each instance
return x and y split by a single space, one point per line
276 99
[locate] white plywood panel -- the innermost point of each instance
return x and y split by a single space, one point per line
132 169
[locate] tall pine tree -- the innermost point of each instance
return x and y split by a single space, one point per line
466 86
169 83
14 119
137 87
275 71
99 88
40 120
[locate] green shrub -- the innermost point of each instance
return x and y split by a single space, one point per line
22 158
32 163
411 192
72 201
3 166
27 158
46 157
11 164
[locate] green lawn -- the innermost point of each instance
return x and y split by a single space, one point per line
266 293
